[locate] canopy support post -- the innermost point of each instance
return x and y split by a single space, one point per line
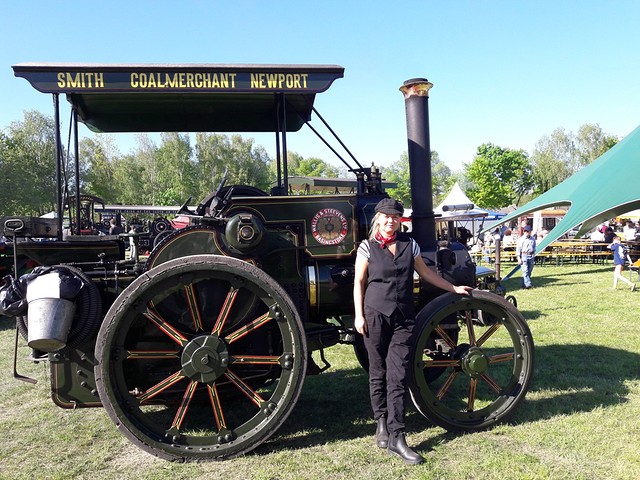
77 169
282 187
56 109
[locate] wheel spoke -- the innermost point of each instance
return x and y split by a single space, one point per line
244 388
217 407
445 336
486 335
184 406
504 357
491 382
256 359
248 328
468 316
160 387
447 384
152 354
194 308
442 363
162 324
224 311
473 390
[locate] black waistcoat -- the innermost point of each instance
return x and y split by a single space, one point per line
390 278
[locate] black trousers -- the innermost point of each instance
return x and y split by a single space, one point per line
388 343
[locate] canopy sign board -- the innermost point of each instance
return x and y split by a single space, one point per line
184 97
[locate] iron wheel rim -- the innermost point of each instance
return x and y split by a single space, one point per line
486 372
265 380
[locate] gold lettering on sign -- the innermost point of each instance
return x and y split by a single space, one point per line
80 80
183 80
279 80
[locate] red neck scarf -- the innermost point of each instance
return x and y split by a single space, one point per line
384 241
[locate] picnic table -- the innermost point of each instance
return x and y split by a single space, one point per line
558 252
577 251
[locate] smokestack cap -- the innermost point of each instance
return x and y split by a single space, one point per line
389 206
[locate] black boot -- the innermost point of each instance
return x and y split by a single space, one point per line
398 446
382 435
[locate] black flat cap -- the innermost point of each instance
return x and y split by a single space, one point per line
389 206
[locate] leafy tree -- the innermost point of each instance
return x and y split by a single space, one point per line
441 179
28 162
98 156
129 174
561 154
314 167
297 165
398 173
7 168
246 163
591 142
499 176
146 157
177 173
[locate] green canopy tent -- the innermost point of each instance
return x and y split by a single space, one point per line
606 188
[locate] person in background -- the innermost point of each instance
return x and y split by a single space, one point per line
384 315
133 244
114 228
597 235
609 235
629 231
619 259
525 254
508 240
540 234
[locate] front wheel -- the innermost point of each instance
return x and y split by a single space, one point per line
468 374
201 358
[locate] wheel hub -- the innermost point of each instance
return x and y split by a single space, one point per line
205 358
474 362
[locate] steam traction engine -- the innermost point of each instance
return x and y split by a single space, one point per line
200 352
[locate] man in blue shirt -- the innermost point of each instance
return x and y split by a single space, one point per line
525 252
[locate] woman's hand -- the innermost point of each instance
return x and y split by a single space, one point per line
462 289
361 325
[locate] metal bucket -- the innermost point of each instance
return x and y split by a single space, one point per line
49 322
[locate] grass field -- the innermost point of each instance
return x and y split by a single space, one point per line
580 420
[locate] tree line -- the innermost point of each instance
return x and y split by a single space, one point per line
179 167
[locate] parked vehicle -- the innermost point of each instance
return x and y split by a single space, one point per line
201 351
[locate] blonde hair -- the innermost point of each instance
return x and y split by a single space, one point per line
375 226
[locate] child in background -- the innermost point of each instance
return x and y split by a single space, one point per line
619 257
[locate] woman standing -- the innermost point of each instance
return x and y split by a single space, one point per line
384 314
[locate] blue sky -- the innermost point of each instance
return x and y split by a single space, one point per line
505 72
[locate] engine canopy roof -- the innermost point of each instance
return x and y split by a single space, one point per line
185 97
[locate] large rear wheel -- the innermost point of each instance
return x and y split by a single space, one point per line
201 358
469 373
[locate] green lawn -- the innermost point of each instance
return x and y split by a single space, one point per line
580 420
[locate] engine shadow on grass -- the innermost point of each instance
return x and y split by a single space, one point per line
577 385
332 406
335 405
